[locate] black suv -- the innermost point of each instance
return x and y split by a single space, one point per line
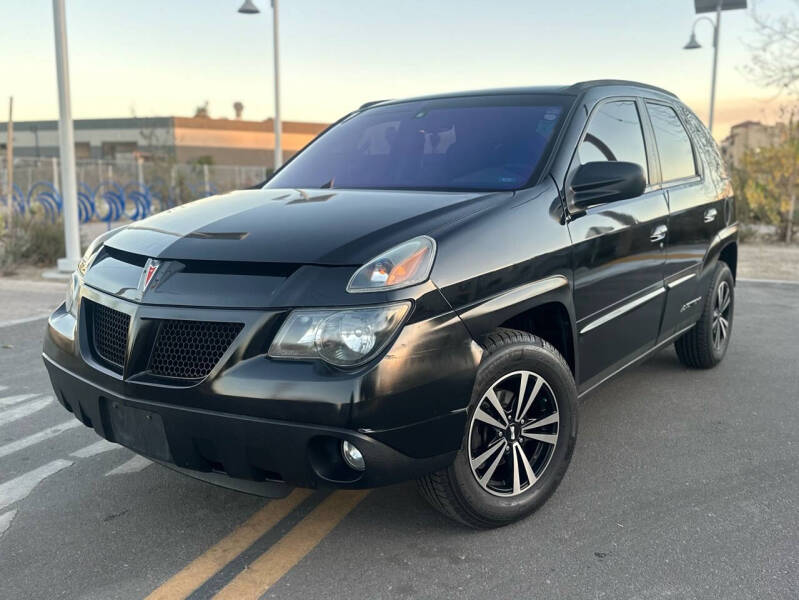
423 292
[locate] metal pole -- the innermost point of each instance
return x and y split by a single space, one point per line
173 180
716 29
66 140
278 123
793 131
10 161
140 172
55 174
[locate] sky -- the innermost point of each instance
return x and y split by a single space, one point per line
166 57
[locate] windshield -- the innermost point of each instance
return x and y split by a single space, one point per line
470 143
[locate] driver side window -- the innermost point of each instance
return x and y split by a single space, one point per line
615 133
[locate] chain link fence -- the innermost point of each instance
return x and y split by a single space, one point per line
118 190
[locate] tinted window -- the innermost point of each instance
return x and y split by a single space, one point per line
674 145
705 147
615 133
481 143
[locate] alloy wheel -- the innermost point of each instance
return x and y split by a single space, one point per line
722 305
513 433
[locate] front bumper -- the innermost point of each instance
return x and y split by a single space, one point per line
263 420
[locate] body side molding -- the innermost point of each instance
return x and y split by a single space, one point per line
674 283
623 309
635 360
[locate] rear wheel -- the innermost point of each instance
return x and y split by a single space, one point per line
705 345
519 437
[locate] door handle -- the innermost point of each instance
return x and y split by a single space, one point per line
710 215
658 234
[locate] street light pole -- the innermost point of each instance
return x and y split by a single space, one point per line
249 8
66 141
716 29
10 162
278 123
693 44
709 6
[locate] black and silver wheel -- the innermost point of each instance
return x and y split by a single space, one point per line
705 345
513 433
519 436
722 316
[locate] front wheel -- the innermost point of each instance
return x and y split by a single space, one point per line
520 434
705 345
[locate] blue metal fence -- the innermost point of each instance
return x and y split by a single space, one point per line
108 202
118 190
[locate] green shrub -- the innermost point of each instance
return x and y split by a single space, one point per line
30 240
45 242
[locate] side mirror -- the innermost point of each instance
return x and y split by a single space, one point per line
606 181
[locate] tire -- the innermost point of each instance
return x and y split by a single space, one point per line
537 437
701 347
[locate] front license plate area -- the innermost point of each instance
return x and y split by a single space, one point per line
140 430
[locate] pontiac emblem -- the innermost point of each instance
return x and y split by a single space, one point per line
149 271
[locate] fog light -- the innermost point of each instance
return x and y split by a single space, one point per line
352 456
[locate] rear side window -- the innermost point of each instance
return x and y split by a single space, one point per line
704 145
615 133
674 145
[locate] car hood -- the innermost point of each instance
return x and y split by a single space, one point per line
325 227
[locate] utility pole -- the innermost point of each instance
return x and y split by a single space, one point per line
66 142
278 122
10 161
793 145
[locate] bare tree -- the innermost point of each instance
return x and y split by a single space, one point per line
775 51
775 64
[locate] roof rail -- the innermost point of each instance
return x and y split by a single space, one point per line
372 103
583 85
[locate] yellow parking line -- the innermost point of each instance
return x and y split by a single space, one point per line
204 567
280 558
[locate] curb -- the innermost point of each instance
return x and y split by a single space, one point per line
778 281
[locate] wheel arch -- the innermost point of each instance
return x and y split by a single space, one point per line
729 255
543 308
549 321
724 247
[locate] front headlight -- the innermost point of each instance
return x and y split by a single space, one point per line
344 337
402 266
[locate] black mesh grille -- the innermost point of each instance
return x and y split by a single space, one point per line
110 329
190 349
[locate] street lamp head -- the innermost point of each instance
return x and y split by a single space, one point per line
248 8
692 43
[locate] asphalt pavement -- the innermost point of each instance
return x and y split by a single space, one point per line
684 484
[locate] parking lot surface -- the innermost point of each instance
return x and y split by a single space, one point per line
684 484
